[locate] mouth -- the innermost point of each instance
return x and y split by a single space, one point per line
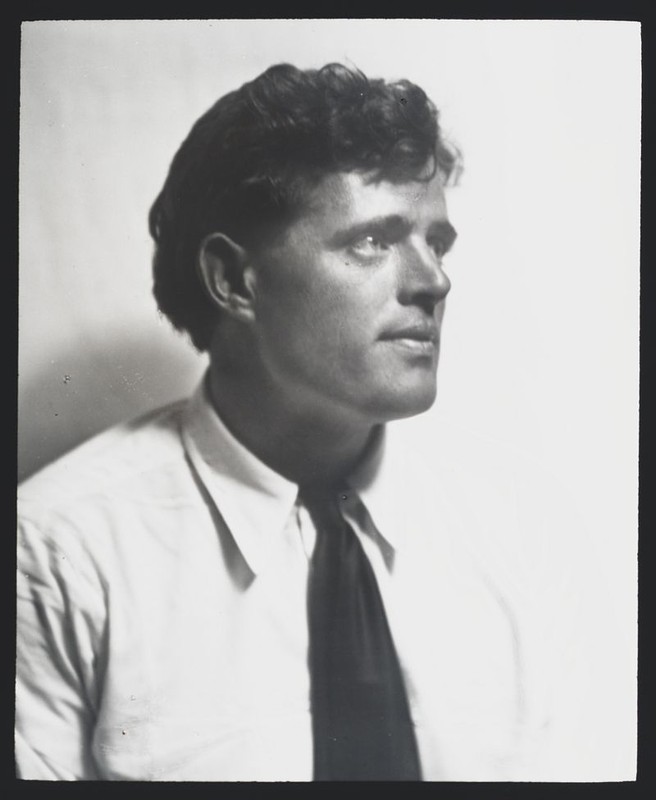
419 339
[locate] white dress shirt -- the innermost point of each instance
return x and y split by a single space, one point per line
162 621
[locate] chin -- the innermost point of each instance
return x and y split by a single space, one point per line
407 404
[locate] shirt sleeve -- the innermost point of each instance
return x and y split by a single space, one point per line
59 633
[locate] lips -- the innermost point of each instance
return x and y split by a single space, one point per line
418 333
417 340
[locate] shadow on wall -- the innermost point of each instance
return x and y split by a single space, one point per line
83 391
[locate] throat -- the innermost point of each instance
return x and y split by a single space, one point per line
301 447
313 456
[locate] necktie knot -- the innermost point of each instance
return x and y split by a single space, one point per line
323 504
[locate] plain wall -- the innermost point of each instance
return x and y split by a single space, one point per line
540 346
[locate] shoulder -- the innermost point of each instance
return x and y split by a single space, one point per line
134 459
511 511
475 469
520 525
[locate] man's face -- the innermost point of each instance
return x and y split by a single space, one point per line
350 299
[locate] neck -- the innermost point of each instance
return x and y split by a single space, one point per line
301 446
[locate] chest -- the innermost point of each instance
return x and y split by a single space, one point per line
206 674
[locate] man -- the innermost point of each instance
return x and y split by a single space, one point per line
262 583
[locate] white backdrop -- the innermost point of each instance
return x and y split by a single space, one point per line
540 342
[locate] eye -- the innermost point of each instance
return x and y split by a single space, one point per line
369 246
440 247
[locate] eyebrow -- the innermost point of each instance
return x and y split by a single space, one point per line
444 231
392 226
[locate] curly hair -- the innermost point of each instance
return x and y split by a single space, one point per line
247 162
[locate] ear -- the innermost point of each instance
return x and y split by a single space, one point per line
226 273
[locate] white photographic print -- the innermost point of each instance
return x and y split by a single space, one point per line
328 400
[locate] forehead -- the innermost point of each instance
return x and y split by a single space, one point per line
352 197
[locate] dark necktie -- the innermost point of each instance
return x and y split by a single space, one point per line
360 717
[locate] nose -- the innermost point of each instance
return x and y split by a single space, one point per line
422 281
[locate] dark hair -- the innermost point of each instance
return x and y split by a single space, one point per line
246 162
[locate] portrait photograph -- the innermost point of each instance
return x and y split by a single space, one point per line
328 400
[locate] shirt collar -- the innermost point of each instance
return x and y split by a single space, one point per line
254 501
380 488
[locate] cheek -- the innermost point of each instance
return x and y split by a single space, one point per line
322 305
301 304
